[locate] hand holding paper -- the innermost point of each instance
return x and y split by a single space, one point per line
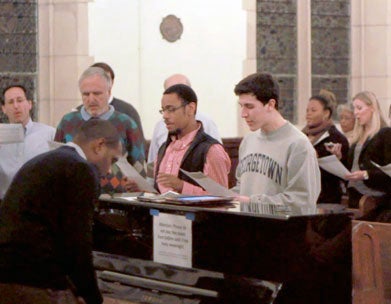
131 173
209 184
332 165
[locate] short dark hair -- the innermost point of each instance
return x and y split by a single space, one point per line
105 67
326 103
262 85
184 92
20 86
98 128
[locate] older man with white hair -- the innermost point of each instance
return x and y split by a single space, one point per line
95 89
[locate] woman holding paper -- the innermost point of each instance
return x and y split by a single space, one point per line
323 134
371 144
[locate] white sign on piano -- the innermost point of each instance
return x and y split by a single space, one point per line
172 239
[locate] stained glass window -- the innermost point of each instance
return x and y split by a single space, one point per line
277 47
18 45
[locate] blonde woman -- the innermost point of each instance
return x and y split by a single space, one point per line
371 142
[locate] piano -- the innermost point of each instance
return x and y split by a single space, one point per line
237 256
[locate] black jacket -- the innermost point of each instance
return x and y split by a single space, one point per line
194 158
46 224
378 150
331 185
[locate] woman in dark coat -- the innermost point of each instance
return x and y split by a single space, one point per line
371 146
322 132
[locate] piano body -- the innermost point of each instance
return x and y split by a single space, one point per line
237 256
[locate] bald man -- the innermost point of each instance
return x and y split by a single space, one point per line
160 131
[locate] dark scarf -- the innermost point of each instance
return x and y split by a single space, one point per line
314 132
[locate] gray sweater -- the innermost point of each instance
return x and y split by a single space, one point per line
279 168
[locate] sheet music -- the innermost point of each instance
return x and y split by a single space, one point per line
333 165
11 133
386 169
209 184
150 172
129 171
55 144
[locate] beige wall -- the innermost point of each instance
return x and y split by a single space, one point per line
63 54
210 52
126 34
64 50
371 49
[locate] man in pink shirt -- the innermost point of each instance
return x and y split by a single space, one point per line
187 147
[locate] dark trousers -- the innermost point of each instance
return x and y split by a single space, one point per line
18 294
354 197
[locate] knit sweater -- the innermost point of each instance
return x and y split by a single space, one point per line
131 137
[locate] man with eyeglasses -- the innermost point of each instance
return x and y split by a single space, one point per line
16 106
160 131
187 147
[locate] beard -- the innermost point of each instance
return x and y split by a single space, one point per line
175 132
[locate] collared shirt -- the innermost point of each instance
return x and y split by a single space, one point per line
77 148
216 167
105 116
14 155
160 133
131 138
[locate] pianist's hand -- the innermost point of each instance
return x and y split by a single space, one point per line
80 300
129 185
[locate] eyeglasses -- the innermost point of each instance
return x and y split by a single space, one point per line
170 109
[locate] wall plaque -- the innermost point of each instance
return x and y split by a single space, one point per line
171 28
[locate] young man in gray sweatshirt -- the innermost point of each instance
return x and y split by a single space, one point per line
277 169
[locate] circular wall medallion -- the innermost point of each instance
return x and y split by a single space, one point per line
171 28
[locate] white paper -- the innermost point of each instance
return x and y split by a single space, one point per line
209 184
129 171
386 169
172 240
11 133
129 198
332 165
55 144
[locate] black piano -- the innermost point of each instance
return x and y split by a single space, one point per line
238 256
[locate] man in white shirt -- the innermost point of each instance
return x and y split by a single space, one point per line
17 106
160 131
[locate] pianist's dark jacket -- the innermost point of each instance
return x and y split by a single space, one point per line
46 224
